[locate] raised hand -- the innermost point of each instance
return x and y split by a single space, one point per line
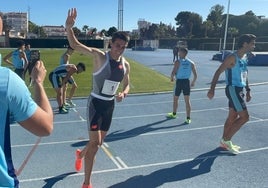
72 14
39 72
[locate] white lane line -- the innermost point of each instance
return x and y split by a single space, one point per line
145 134
151 115
146 165
107 152
123 164
117 160
79 115
195 129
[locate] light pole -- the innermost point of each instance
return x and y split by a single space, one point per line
226 27
120 15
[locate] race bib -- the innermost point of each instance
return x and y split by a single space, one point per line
110 87
244 75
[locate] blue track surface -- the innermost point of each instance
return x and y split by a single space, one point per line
143 149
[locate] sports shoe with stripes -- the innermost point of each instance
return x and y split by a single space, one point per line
228 145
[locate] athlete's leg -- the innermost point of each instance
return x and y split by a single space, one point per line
59 96
238 114
175 103
188 105
71 94
64 90
96 139
234 122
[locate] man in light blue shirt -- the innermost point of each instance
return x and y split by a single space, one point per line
36 117
182 69
236 76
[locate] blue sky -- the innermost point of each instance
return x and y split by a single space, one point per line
103 14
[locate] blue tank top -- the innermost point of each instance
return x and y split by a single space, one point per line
185 69
17 61
237 75
28 54
62 62
61 70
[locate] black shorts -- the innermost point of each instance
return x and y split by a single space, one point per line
20 72
236 98
56 81
182 85
99 114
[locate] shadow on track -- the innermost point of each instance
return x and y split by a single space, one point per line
200 165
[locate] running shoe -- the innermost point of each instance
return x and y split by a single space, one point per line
62 110
171 115
87 186
237 147
188 121
71 104
78 160
66 106
228 145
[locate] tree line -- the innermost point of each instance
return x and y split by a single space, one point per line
188 25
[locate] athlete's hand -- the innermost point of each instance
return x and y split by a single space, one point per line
248 96
192 84
120 97
210 94
72 14
39 72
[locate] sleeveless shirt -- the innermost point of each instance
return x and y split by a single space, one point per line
185 69
237 75
107 79
17 61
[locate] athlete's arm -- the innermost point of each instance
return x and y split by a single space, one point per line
23 56
248 94
229 62
71 69
175 69
7 57
66 58
98 55
41 122
125 82
194 73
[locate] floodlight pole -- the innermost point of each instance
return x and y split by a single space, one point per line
120 15
226 26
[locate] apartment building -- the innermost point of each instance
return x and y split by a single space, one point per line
18 23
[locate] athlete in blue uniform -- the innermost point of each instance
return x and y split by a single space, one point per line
109 70
182 71
236 72
65 59
62 75
19 59
16 99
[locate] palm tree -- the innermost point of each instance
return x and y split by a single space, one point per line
85 29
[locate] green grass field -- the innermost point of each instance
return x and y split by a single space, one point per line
142 79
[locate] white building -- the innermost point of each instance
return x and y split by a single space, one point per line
18 23
143 24
52 31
